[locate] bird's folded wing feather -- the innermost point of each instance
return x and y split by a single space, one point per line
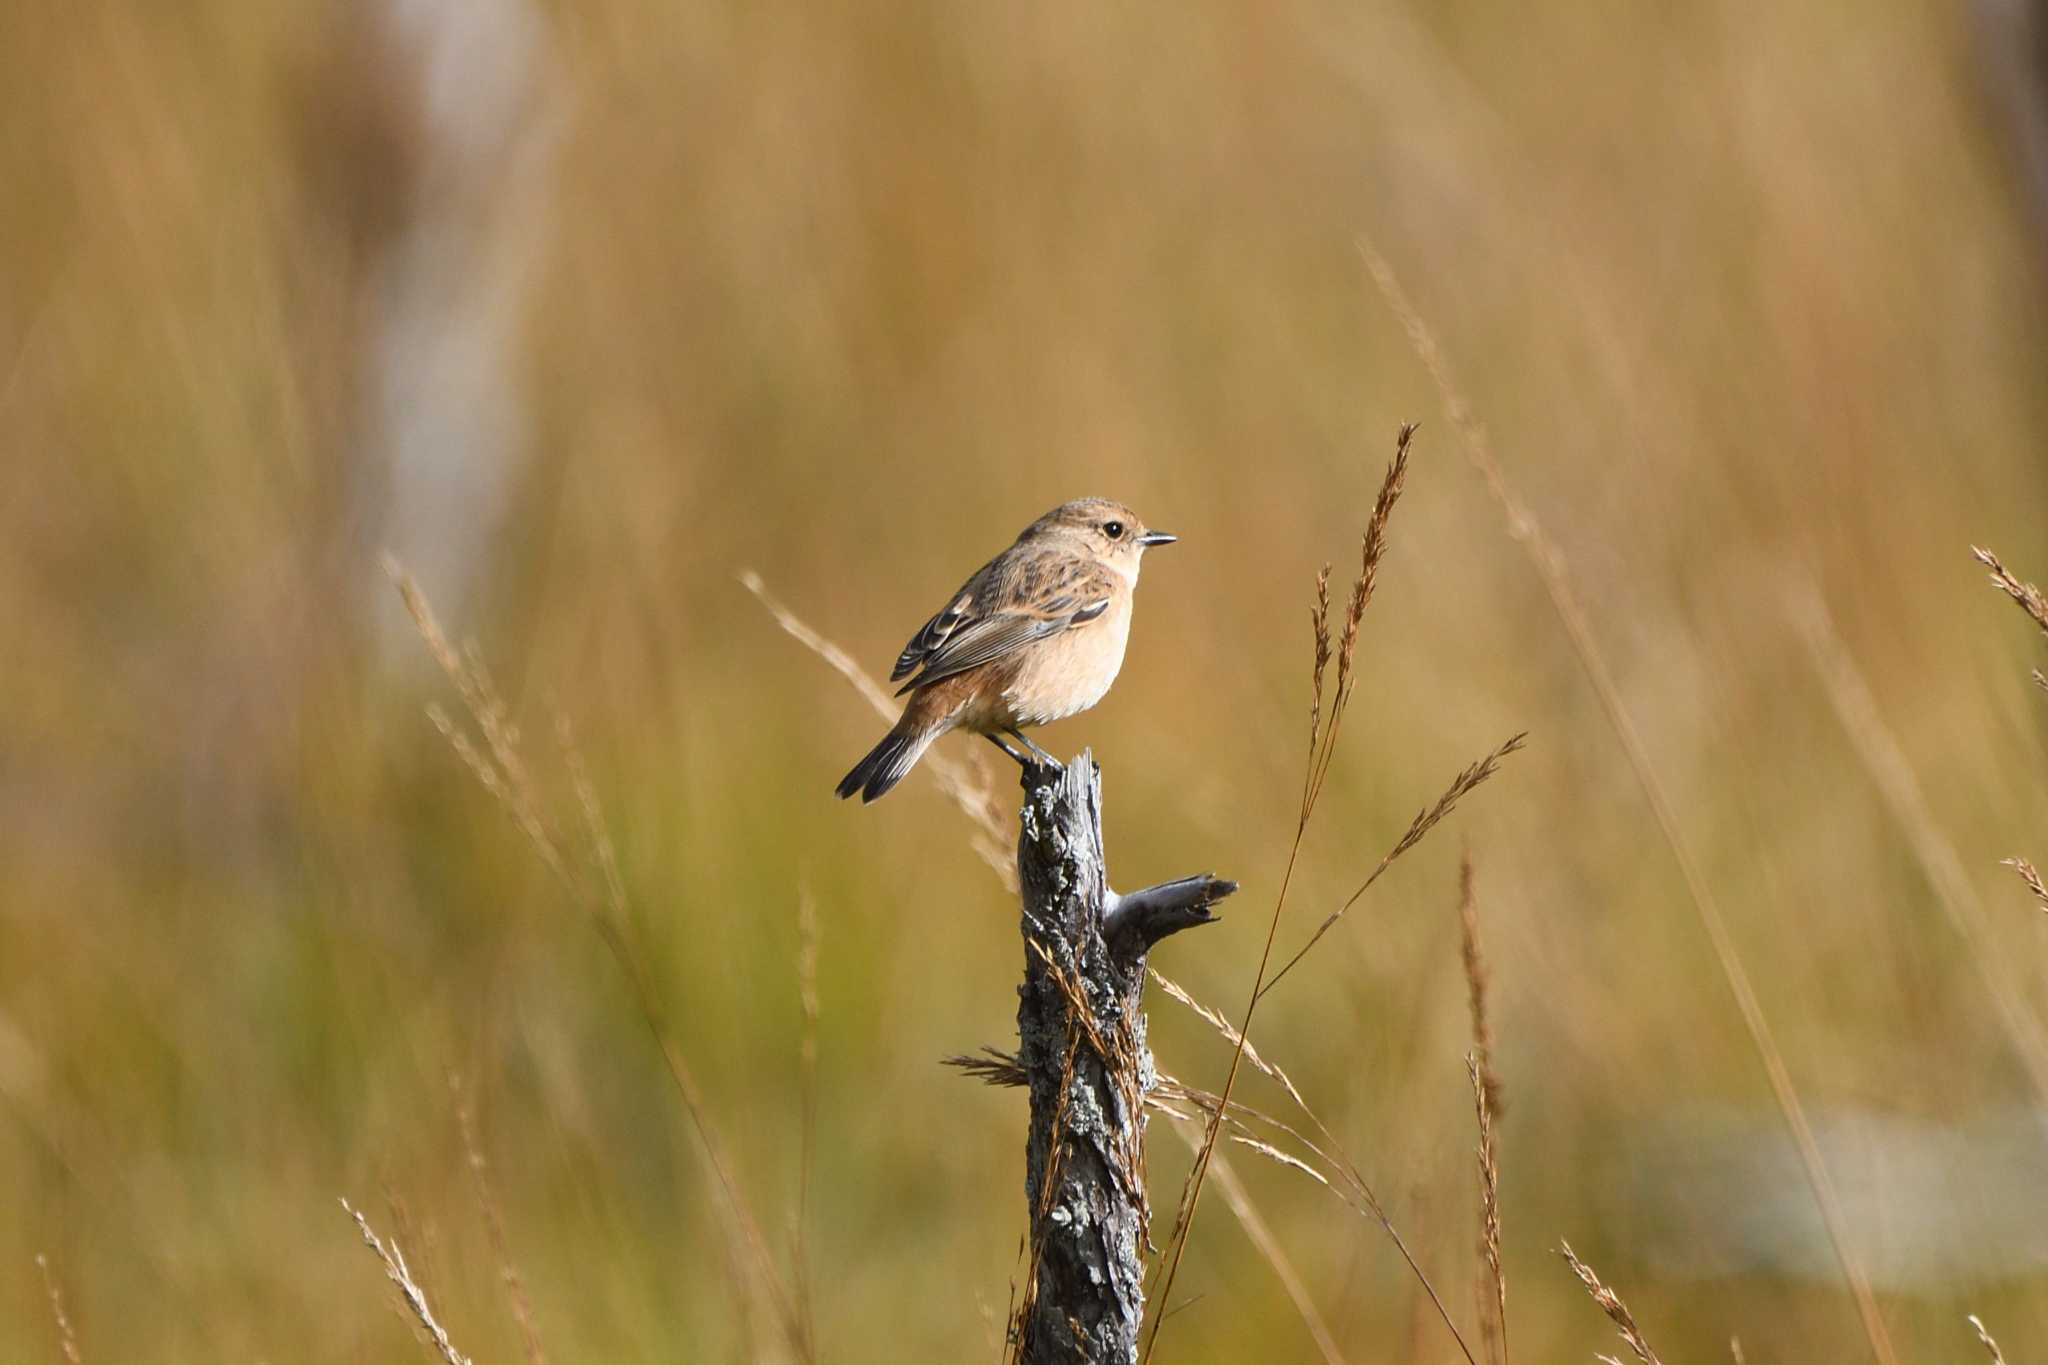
965 636
933 634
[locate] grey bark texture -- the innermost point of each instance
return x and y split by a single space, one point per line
1081 1043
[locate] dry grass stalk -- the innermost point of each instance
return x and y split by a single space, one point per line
1215 1020
966 783
67 1340
593 881
1548 562
2025 594
1319 626
1321 749
1272 1153
990 1066
1991 1350
2030 876
1610 1303
2036 607
1344 1177
1493 1321
1114 1054
407 1230
1891 772
396 1270
1486 1096
1425 820
1372 548
1238 1199
1477 979
494 1226
1338 1172
1334 1173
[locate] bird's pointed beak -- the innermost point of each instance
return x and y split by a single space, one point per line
1151 538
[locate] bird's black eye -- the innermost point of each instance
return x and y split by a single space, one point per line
1113 529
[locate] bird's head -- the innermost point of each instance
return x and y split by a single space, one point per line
1099 528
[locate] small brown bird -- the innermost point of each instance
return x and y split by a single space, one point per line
1037 634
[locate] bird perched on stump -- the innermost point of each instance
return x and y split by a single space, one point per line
1037 634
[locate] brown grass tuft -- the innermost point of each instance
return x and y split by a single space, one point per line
1610 1303
1319 624
67 1340
1477 980
1372 548
2030 876
2036 607
1493 1319
2025 594
1991 1350
1486 1098
396 1270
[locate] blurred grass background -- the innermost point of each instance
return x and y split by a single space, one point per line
581 309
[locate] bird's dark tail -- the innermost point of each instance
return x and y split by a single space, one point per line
887 763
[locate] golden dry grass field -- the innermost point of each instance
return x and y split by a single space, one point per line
581 310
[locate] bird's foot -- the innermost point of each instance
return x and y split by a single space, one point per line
1038 754
1023 760
1030 756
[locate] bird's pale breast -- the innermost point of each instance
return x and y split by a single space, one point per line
1071 671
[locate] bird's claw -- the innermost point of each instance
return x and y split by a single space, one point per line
1031 756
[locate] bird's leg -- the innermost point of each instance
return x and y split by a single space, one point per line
997 740
1040 754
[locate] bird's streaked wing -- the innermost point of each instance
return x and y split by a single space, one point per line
933 634
961 637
